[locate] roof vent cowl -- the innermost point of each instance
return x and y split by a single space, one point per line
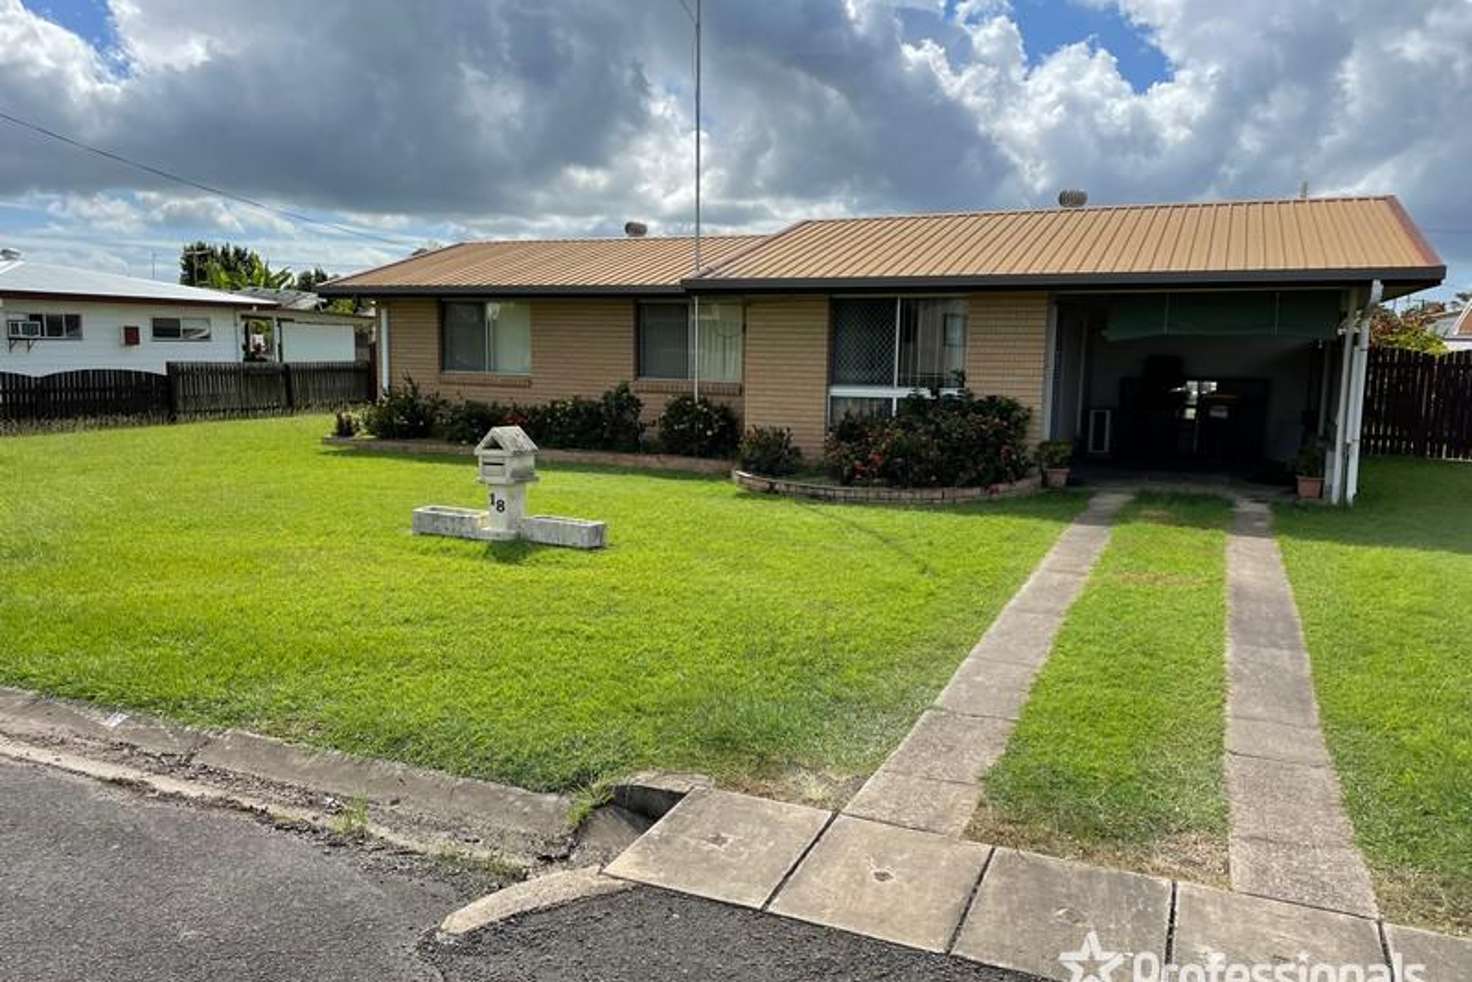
1072 198
9 255
636 230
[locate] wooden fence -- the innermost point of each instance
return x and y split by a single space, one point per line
84 392
1418 404
189 389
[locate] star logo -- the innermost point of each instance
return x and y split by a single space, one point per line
1091 963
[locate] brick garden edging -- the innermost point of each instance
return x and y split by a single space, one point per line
603 458
880 495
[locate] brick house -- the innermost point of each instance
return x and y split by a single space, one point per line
1215 335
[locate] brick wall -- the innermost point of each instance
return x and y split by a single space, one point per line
580 347
787 367
1006 352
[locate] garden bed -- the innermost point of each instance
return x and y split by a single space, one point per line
879 495
602 458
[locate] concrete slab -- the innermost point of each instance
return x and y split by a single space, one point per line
1281 802
722 846
1251 930
1278 691
1445 958
1018 637
1048 592
894 884
1333 877
1031 908
982 688
945 746
1077 549
1267 624
1276 741
542 893
942 807
653 793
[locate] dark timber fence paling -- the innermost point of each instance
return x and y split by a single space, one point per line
1418 404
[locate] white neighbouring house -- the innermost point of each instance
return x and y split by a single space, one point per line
300 331
62 318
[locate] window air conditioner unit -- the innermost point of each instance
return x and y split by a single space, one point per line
1101 431
24 328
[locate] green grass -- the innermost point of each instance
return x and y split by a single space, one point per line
1118 754
1385 592
241 574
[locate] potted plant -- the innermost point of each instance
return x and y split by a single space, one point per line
1054 456
1310 471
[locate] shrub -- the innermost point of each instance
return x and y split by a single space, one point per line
1055 453
467 421
937 441
768 450
698 428
403 413
623 427
610 422
344 424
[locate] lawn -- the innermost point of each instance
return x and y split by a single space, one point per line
240 574
1118 755
1385 592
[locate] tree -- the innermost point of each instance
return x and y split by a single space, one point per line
1411 329
228 267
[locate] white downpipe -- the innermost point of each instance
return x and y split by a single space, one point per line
1357 395
1334 476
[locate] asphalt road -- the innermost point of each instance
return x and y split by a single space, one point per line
104 883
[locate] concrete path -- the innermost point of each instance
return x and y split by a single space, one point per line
932 781
1001 907
1290 837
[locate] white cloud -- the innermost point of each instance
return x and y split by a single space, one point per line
531 117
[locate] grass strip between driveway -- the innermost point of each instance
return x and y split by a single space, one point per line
239 574
1385 593
1118 754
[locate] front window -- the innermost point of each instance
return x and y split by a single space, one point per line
493 336
57 327
886 348
181 329
667 339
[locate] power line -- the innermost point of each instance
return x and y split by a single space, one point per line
219 192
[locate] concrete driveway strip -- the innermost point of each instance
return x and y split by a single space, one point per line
1031 909
885 882
1290 838
102 883
722 846
932 781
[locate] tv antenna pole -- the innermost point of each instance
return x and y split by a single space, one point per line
695 298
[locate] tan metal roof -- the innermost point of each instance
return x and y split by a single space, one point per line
1314 239
546 265
1283 241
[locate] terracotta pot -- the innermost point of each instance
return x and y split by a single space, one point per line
1055 477
1310 487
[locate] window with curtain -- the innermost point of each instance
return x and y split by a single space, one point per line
885 348
666 339
490 336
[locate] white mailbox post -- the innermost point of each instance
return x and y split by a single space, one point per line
506 463
507 460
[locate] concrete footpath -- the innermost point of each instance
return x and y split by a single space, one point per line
1290 837
994 906
932 781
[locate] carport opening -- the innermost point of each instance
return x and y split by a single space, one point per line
1201 383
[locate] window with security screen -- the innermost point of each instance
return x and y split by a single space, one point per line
885 348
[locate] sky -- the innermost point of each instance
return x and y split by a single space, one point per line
396 125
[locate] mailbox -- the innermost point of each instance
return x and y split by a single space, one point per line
507 463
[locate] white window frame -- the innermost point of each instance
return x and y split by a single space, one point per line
894 393
209 330
13 322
